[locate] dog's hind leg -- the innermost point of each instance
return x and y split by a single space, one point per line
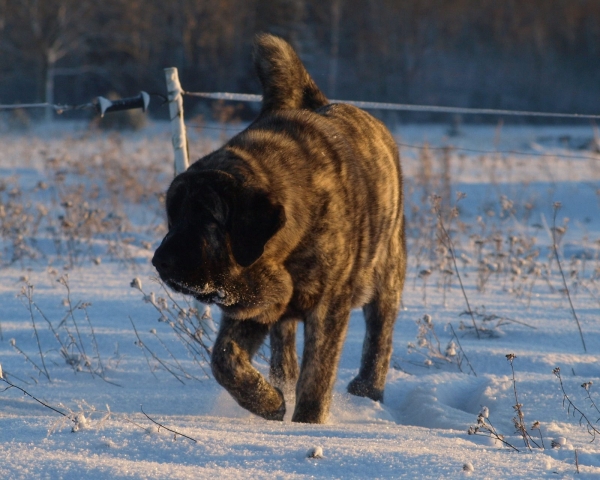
284 359
377 349
380 316
236 344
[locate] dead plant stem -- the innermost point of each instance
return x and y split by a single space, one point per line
555 249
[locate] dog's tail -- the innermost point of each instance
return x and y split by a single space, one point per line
286 83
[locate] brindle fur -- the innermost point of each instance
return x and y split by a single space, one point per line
297 218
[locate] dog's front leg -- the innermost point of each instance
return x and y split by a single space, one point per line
236 344
324 333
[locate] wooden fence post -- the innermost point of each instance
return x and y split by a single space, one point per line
182 160
178 135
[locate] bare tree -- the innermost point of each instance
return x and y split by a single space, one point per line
408 51
47 31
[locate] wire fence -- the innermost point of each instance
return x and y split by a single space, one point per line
58 108
428 146
133 102
502 152
245 97
102 105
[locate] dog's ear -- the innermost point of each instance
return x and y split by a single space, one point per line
252 218
254 221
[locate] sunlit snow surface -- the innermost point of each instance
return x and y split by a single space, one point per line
421 429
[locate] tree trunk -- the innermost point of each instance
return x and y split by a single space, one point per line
336 8
49 93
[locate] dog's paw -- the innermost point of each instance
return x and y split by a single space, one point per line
275 414
310 411
362 388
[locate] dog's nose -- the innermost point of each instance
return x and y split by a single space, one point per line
163 262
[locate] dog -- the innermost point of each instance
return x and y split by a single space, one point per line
297 218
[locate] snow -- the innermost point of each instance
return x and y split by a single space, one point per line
432 397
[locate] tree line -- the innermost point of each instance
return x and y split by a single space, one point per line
534 54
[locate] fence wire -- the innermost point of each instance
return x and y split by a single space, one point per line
57 107
246 97
427 146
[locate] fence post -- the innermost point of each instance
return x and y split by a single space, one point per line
178 135
182 162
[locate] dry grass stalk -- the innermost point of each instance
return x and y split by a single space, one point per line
519 420
484 427
70 338
572 408
189 326
160 425
447 241
556 207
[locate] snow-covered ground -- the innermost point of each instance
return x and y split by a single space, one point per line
80 216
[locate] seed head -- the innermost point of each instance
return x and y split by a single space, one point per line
587 385
149 298
136 283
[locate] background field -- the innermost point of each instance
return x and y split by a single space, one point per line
81 214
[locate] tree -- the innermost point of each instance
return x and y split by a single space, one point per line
47 31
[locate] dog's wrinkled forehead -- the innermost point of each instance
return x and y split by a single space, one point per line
194 195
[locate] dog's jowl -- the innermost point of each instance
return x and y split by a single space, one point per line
297 218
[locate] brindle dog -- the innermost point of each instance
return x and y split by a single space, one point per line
297 218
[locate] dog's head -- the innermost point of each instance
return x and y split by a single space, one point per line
216 227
